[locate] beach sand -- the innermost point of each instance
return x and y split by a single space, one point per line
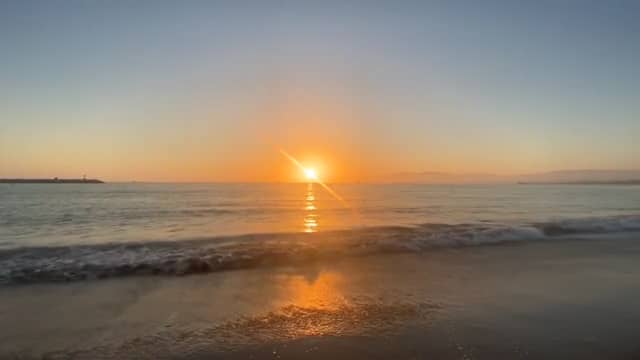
564 299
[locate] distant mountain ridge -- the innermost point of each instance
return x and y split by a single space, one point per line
558 176
573 176
435 177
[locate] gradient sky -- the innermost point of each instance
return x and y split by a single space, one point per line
211 90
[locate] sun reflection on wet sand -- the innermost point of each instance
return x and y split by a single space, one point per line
310 216
316 303
317 290
320 302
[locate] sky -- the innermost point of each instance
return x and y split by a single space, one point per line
212 90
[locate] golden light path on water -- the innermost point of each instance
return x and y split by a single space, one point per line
310 218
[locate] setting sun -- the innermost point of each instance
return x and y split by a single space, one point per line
311 174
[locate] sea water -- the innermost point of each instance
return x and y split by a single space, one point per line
61 232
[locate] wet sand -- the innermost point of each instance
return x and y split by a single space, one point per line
547 300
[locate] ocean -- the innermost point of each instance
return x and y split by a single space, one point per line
288 271
66 232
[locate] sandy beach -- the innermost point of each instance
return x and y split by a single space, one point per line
561 299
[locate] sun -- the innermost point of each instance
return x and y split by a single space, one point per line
311 174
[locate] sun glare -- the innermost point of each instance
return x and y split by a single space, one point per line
310 174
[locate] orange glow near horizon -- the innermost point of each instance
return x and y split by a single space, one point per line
325 130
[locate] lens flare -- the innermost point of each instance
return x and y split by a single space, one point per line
316 179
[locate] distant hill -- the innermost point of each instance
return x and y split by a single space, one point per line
583 176
433 177
551 177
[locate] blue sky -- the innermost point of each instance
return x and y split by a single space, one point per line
204 90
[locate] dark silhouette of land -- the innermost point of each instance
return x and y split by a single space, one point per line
575 177
51 181
613 182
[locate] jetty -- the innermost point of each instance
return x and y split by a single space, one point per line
51 181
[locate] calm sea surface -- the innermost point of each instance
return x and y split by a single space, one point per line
70 214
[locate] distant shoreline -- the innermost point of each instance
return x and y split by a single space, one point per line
620 182
51 181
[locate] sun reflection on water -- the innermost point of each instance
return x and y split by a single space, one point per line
310 220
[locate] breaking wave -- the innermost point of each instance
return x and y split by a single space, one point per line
84 262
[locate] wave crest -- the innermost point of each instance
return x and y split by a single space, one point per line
54 264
